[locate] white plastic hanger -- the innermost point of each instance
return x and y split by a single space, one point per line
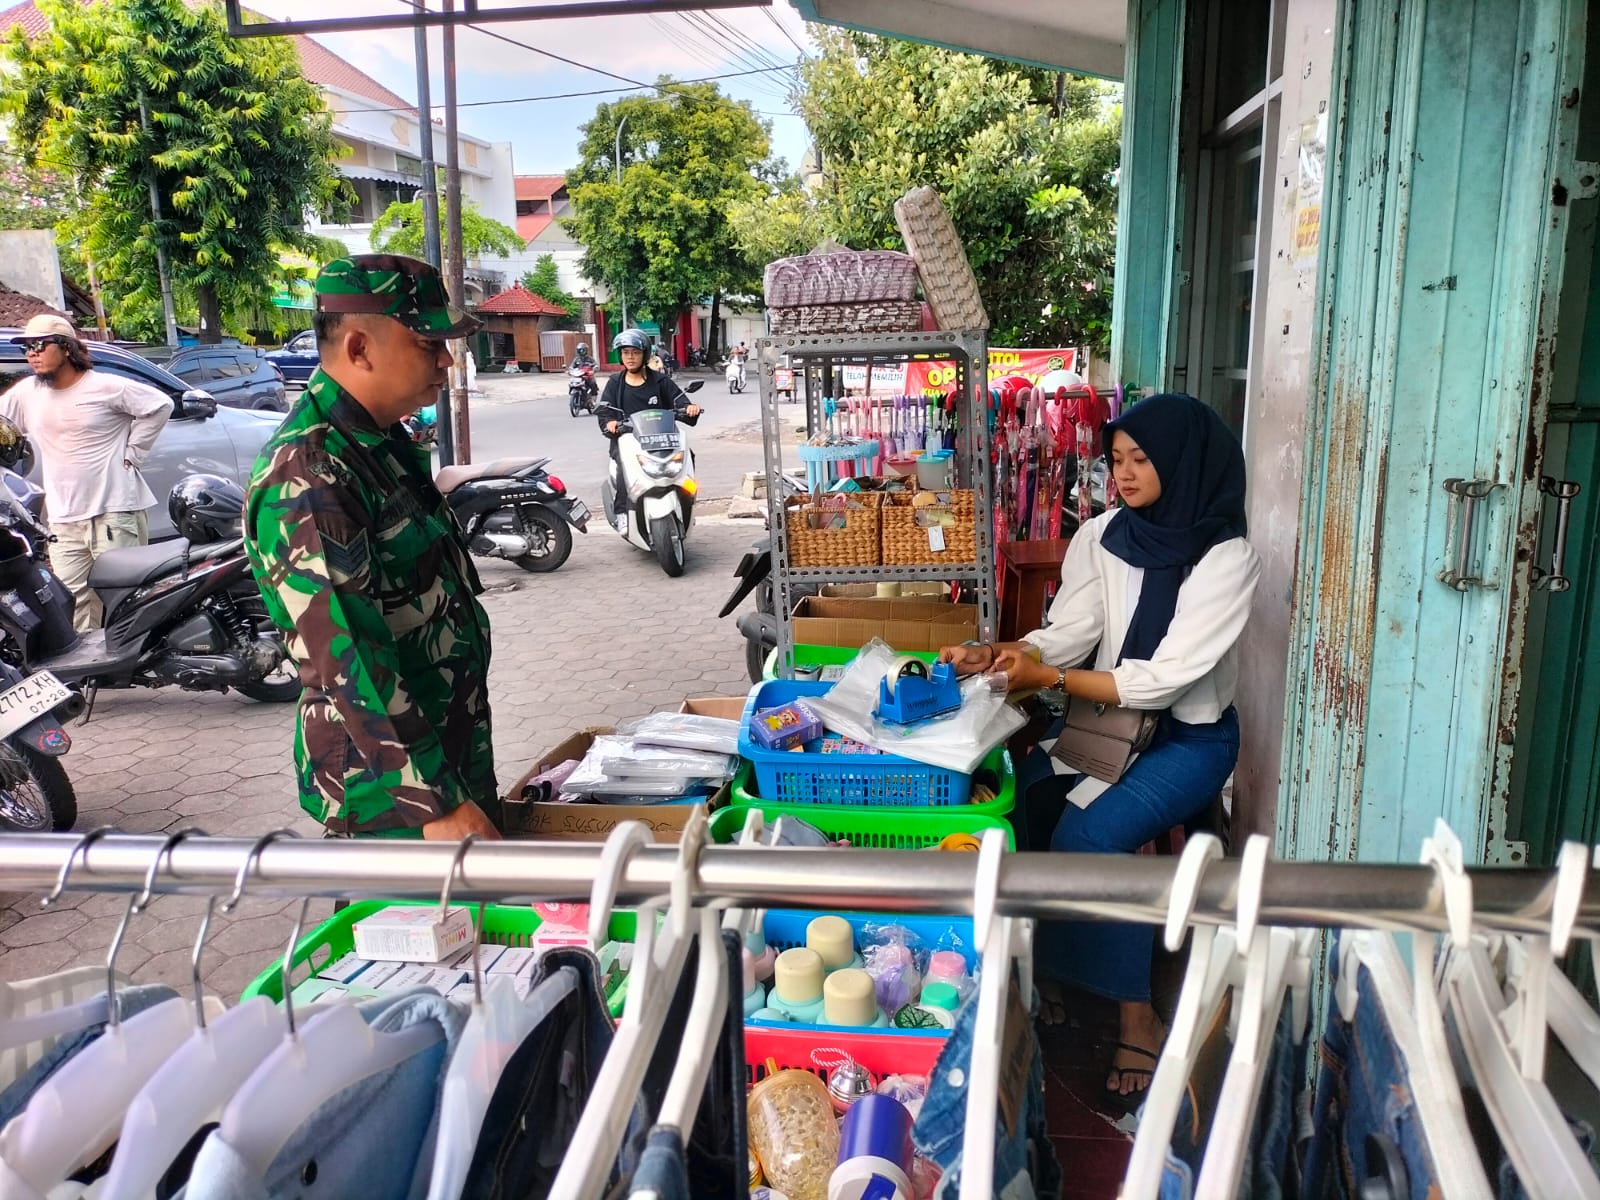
1547 1158
1274 960
75 1114
32 1029
337 1048
192 1085
1205 983
501 1021
652 981
1568 1013
998 940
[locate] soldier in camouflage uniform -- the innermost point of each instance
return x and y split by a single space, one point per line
364 569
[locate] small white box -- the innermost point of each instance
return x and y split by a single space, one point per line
515 960
488 955
345 970
377 976
414 933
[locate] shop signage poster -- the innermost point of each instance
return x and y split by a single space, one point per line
1308 205
922 378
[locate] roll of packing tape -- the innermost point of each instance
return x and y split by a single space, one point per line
960 841
903 665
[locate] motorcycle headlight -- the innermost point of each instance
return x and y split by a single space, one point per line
659 468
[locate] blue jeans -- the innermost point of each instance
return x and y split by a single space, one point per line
1363 1109
1025 1164
1171 783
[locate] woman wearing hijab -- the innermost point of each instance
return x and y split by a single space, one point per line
1163 587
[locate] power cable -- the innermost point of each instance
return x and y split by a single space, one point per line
767 13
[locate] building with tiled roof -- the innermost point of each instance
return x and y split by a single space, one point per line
517 300
540 200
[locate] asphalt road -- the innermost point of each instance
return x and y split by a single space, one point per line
527 414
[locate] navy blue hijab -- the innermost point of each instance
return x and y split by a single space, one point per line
1201 467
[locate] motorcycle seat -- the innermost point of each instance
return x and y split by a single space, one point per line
132 566
450 478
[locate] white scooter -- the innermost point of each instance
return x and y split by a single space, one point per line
650 490
733 372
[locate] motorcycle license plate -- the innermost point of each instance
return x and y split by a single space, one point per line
578 513
29 700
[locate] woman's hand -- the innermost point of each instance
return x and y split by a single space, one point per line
612 427
968 660
1023 672
692 411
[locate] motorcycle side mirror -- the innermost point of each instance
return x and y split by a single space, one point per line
197 404
695 386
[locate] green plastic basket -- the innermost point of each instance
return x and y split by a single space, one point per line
503 925
827 656
743 792
867 828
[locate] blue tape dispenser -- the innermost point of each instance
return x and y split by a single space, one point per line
911 691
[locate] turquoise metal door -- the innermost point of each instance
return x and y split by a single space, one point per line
1421 473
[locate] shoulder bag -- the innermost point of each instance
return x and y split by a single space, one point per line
1102 739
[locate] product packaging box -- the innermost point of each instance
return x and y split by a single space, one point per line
415 934
907 625
785 727
555 821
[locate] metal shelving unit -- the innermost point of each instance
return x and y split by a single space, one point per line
818 363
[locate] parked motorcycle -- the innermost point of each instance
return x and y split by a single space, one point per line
649 492
582 391
180 612
733 374
759 628
36 796
512 508
696 356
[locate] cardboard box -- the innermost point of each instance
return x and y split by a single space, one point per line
904 624
543 821
913 590
728 708
413 933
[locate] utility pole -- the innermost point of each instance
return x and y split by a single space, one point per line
456 276
429 199
167 308
616 161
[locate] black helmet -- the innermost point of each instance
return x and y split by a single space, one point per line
583 348
635 339
206 508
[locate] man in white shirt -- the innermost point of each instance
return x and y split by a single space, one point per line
92 431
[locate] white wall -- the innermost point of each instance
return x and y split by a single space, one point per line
29 263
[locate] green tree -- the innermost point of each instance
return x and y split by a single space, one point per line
662 237
544 281
1027 173
399 230
33 197
138 96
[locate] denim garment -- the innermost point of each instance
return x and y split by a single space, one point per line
133 1000
374 1139
663 1172
1502 1173
1171 783
528 1127
1025 1165
1362 1091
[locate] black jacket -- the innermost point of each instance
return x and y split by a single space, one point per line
621 400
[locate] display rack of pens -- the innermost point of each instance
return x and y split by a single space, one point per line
882 435
1047 442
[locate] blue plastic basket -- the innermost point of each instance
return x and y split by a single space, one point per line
810 777
785 929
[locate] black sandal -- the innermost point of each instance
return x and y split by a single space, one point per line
1127 1102
1052 1004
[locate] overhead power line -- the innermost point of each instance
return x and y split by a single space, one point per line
767 13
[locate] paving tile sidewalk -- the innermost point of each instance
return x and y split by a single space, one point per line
606 637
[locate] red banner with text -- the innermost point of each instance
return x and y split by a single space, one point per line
922 378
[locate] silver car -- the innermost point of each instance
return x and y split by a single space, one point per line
202 436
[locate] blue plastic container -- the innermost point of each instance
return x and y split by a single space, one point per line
785 929
809 777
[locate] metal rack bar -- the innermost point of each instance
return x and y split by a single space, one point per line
817 360
1084 886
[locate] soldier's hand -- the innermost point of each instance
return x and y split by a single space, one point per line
455 825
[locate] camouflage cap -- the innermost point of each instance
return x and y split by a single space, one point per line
392 285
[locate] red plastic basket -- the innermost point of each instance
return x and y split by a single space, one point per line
880 1053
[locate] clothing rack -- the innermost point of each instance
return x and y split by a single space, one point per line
1517 900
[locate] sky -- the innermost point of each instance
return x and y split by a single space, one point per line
544 133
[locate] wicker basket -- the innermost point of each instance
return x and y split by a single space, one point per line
858 544
947 278
875 316
906 544
843 277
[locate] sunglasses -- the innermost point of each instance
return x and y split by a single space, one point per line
35 345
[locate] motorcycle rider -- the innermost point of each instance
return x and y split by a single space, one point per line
583 358
637 387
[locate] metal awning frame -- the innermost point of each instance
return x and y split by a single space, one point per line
470 12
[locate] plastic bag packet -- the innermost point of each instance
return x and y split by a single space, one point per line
686 731
957 741
614 765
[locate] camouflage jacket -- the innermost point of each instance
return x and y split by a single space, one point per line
363 567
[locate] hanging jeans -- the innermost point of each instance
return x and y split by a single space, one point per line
1363 1116
1172 782
1025 1163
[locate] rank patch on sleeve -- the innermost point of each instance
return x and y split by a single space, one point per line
346 560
